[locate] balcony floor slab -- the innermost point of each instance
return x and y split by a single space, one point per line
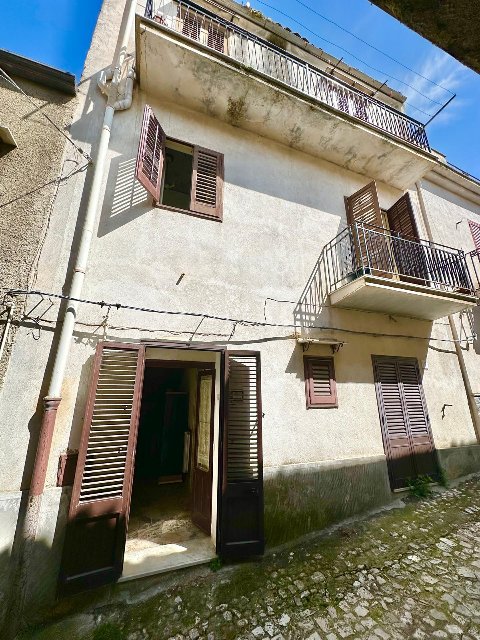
394 297
182 71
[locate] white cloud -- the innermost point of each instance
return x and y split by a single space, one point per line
444 71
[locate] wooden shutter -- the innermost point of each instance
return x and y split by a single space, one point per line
320 385
423 448
371 247
407 438
410 256
401 219
363 206
99 508
241 519
207 182
150 155
191 26
216 37
475 230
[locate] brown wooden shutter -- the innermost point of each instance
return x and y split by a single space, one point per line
371 247
150 155
99 508
191 26
401 218
363 206
320 385
216 37
423 448
407 438
241 518
207 182
410 256
475 230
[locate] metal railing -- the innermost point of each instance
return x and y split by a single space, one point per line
363 249
258 54
473 261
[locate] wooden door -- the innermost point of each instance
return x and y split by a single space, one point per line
241 475
202 460
99 508
406 433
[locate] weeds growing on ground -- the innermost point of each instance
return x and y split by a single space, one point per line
420 486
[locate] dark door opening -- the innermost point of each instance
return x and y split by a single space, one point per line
171 502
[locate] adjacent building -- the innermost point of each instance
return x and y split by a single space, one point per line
277 321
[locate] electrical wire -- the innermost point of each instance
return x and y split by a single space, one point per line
303 26
238 321
339 26
39 108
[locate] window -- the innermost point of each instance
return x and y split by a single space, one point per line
320 384
177 174
475 231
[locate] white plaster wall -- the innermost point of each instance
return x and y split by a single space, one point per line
448 213
280 208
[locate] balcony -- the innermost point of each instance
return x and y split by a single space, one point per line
473 261
192 57
371 268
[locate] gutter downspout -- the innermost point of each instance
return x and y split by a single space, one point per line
53 398
458 349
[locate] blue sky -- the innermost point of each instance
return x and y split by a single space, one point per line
59 33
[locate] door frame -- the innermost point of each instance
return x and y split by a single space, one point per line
217 460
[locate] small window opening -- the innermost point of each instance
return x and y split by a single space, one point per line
177 181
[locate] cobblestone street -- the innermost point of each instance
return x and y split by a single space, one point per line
411 572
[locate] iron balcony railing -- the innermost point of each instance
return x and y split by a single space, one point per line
363 249
258 54
473 261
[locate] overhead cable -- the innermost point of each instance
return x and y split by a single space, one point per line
303 26
238 321
387 55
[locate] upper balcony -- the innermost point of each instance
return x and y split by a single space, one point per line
372 268
189 56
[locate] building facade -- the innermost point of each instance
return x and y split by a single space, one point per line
277 326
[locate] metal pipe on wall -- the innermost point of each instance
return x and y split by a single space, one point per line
52 400
458 349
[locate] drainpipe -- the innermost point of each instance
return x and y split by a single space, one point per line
53 398
458 349
10 306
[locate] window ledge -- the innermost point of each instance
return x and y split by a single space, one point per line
188 212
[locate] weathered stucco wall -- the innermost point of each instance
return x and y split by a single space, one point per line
28 182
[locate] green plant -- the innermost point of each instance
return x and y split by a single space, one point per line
215 564
420 486
108 631
257 14
442 478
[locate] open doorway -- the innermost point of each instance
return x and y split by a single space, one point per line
170 521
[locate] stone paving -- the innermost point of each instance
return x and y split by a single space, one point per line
412 572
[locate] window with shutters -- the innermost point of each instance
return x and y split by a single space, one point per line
177 174
320 384
475 231
192 179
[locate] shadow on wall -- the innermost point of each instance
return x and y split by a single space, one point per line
31 593
130 200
